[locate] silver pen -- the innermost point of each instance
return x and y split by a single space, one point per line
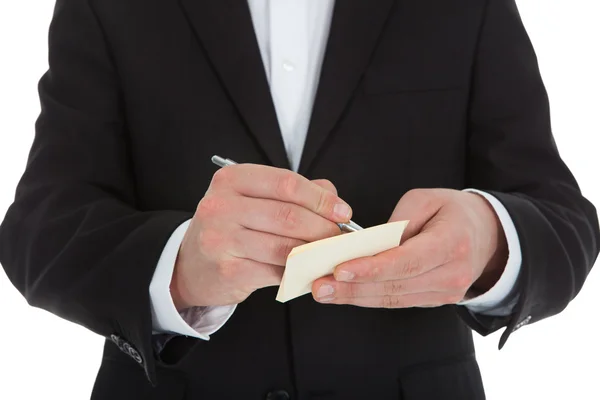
348 227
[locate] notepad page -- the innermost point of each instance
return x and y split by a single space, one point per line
311 261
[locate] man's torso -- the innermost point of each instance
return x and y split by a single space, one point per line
390 115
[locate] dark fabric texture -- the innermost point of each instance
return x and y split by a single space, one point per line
413 94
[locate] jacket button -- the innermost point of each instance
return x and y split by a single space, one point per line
278 395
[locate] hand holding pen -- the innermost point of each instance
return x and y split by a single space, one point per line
245 226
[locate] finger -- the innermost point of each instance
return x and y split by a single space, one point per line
280 218
416 256
429 299
450 278
418 206
326 184
263 247
264 182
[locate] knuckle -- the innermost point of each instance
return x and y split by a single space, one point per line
283 248
323 202
389 301
412 267
209 206
417 195
286 215
426 199
351 290
221 177
374 272
286 186
393 287
328 185
326 201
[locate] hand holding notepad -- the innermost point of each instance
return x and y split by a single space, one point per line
309 262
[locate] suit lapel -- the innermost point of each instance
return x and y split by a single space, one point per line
224 27
355 29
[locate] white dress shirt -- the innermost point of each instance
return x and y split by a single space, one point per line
292 36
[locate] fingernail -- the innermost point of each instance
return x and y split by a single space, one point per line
344 276
342 211
325 291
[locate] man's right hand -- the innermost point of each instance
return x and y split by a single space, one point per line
249 220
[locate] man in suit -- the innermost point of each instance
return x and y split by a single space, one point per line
432 111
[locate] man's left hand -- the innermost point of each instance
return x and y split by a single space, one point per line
454 244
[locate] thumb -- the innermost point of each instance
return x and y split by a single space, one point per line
418 206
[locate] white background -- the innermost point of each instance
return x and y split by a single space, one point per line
42 356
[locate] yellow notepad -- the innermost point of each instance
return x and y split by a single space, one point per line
309 262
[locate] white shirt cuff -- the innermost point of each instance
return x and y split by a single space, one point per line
500 300
198 322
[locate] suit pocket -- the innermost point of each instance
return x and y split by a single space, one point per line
457 379
121 381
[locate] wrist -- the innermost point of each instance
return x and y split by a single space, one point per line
178 290
498 258
491 274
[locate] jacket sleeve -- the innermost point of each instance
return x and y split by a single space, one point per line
513 156
75 242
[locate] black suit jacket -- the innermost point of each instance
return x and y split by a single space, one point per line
413 94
